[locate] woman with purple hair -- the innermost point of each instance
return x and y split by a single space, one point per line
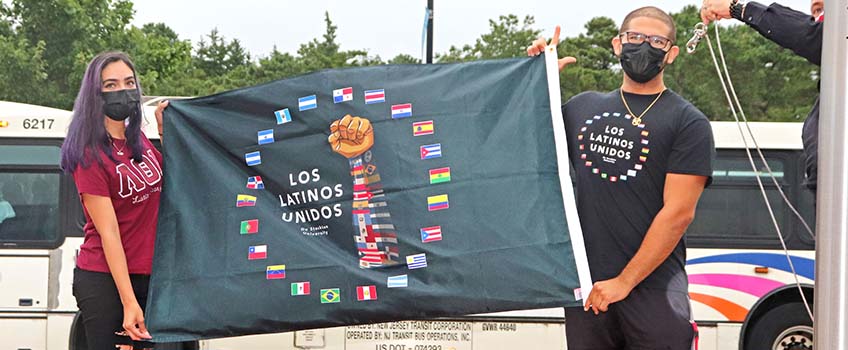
118 175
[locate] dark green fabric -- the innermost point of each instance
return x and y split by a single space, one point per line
505 244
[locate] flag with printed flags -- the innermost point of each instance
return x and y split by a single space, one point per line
352 208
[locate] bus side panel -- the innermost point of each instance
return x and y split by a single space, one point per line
20 332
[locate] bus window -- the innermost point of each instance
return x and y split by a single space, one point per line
733 208
29 194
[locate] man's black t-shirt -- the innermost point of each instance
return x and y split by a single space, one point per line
621 170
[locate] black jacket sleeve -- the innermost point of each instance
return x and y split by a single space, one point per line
788 28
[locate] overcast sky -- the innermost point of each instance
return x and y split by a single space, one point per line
383 27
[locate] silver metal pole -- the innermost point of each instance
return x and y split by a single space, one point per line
831 305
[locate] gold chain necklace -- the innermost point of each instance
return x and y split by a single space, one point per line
638 120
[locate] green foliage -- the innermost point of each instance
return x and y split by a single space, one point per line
46 44
596 63
23 76
773 84
508 37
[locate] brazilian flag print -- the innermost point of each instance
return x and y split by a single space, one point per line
365 195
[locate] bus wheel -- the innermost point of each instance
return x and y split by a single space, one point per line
786 327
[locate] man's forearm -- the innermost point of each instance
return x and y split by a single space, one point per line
663 236
786 27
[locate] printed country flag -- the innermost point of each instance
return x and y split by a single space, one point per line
255 183
416 261
275 272
375 96
300 288
422 128
402 111
307 103
431 234
257 252
645 133
364 293
265 136
644 142
249 227
244 200
400 281
362 196
253 158
440 175
329 296
645 150
343 95
283 116
643 159
437 202
431 151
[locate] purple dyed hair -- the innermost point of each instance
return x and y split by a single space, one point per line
87 132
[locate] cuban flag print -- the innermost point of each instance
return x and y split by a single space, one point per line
266 136
307 103
375 96
343 95
431 151
402 111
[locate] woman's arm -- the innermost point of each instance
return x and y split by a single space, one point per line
103 216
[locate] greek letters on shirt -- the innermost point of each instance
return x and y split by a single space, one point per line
611 147
136 177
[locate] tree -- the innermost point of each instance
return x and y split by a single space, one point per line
507 37
158 54
218 56
404 59
597 66
23 75
322 54
773 84
72 31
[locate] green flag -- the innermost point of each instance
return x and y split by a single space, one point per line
396 192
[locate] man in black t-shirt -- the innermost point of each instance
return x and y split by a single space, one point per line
642 155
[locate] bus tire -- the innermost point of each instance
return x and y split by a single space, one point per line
785 327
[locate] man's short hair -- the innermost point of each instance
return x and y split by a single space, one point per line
652 12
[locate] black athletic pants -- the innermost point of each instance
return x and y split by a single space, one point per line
648 319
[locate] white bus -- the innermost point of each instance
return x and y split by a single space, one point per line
742 295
